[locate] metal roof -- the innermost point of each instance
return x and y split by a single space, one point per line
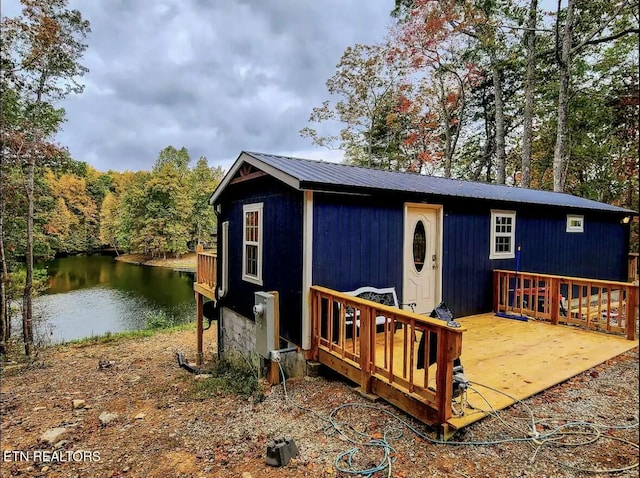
315 175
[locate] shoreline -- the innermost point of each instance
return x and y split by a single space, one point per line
186 262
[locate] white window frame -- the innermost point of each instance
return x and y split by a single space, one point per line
575 227
495 214
249 208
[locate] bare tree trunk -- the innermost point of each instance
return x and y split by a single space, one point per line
446 123
560 160
500 131
527 133
5 325
488 144
27 299
451 135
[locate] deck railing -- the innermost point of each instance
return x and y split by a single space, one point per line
589 303
380 347
633 267
206 269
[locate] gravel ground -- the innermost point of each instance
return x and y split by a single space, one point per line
163 428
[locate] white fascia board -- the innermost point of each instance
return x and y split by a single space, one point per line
247 158
307 267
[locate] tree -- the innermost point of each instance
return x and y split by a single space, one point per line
430 43
161 215
131 210
41 50
366 83
179 158
109 224
529 85
575 30
72 198
202 182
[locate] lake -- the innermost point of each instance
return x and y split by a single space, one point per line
93 295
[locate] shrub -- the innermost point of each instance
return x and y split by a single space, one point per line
231 373
155 320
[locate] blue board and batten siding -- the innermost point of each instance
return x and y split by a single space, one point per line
467 281
282 250
356 241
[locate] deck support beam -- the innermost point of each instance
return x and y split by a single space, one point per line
200 328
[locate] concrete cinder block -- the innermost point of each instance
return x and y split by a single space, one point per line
313 368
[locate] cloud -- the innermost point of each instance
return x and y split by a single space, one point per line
214 76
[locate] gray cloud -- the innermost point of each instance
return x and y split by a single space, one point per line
214 76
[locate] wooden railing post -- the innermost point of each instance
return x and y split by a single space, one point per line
366 329
496 290
633 267
554 291
632 316
444 375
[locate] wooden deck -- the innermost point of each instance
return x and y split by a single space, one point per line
525 358
516 357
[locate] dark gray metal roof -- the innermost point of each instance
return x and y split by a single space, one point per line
312 174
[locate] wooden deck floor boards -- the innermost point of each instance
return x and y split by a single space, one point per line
519 358
525 358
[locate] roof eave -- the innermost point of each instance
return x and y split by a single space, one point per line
366 191
255 162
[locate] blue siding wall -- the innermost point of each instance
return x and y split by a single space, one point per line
466 268
356 242
282 250
599 252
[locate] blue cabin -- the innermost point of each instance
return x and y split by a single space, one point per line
285 224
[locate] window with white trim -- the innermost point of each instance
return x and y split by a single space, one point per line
575 223
252 243
503 234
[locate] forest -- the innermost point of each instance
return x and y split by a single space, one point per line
80 210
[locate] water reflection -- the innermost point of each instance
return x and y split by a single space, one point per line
93 295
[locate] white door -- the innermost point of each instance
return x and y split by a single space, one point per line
421 284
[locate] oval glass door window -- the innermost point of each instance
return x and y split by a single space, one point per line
419 246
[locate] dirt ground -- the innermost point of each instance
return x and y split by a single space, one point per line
160 427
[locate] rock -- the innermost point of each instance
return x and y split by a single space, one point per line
44 469
37 409
77 403
60 444
246 474
107 417
102 364
140 416
53 435
202 376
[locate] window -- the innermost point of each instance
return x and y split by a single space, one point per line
252 243
419 246
575 223
503 234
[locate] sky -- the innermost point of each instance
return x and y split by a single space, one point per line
214 76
